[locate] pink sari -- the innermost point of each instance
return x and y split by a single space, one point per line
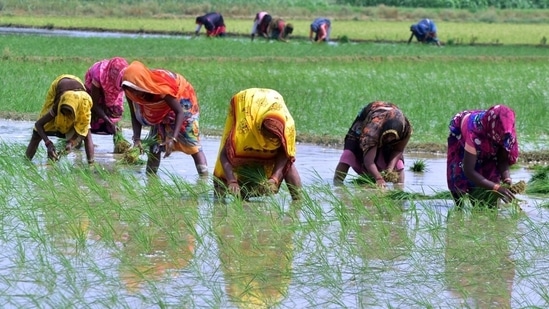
487 131
107 75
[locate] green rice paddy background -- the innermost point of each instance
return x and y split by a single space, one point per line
107 236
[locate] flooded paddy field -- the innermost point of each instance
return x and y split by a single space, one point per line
110 237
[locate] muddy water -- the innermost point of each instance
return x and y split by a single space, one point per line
315 163
408 275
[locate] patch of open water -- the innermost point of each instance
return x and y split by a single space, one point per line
79 33
416 274
316 164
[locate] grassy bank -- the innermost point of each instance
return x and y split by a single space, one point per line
291 9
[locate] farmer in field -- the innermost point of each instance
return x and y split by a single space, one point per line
166 102
261 23
280 30
374 145
66 113
257 150
321 27
482 146
213 22
103 83
425 31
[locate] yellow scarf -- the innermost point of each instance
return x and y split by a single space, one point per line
79 101
245 142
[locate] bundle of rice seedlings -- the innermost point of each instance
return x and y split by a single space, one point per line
131 156
254 182
419 166
517 188
390 176
121 145
60 147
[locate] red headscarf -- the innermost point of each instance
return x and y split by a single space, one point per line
499 122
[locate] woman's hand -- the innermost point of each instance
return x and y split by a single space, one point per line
234 188
272 185
69 146
506 195
169 143
52 153
111 126
380 182
137 144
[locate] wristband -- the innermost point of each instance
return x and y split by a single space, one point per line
48 143
275 179
379 178
496 187
507 180
233 181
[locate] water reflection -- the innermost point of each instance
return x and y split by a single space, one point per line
256 254
69 232
159 246
316 164
479 268
349 248
383 231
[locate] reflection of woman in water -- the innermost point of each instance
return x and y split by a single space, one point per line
256 254
479 268
384 234
152 250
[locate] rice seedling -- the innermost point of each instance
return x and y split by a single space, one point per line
121 144
517 188
419 166
539 182
390 176
132 155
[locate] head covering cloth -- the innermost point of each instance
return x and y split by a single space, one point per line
78 100
243 137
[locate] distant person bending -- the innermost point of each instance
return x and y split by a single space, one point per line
257 150
166 102
375 143
482 145
213 22
103 83
425 31
321 27
261 23
66 113
280 30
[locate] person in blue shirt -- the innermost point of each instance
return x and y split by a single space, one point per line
214 24
321 27
425 31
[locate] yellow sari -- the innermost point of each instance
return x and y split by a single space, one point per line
245 143
79 102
